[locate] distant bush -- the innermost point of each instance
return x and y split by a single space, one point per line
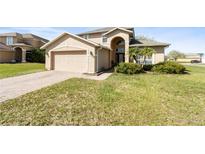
129 68
148 67
169 67
36 55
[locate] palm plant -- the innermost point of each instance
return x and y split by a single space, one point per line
134 53
146 52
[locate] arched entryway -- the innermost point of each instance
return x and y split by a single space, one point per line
18 54
118 50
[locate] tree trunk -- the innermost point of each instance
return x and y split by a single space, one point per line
135 58
144 58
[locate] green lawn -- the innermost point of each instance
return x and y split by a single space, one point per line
145 99
8 70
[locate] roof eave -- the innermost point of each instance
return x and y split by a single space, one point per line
154 45
64 34
21 45
128 31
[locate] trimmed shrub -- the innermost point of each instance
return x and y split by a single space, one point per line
169 68
128 68
36 55
148 67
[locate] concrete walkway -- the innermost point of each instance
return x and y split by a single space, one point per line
16 86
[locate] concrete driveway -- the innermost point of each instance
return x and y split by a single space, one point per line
16 86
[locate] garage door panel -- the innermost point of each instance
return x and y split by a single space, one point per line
71 62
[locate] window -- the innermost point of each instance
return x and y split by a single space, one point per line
121 42
120 50
9 40
86 36
104 39
148 60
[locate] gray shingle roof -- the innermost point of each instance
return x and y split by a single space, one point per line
147 42
29 35
105 29
11 34
4 47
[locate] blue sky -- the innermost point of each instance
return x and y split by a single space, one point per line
186 40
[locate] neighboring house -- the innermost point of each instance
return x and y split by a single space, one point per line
203 59
6 53
189 57
96 50
16 45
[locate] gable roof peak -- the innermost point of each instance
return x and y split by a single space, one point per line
104 30
69 34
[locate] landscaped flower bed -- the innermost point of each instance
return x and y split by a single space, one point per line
164 67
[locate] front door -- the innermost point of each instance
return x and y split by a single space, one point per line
120 57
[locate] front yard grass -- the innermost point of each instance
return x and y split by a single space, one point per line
9 70
144 99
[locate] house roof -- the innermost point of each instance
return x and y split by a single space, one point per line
4 47
11 34
147 42
75 36
122 29
21 45
103 30
29 35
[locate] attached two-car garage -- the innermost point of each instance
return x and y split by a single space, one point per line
71 61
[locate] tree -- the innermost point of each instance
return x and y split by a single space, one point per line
146 52
133 53
36 55
175 55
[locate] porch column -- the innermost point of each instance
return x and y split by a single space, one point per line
23 60
127 58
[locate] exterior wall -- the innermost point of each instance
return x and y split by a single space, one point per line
159 56
7 56
3 39
122 34
18 40
15 39
203 60
30 41
96 38
33 42
67 41
103 59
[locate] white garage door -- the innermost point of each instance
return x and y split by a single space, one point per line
71 61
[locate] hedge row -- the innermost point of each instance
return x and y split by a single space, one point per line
164 67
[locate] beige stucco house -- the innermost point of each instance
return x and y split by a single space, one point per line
14 46
96 50
189 57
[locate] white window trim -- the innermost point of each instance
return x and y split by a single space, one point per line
87 36
9 40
